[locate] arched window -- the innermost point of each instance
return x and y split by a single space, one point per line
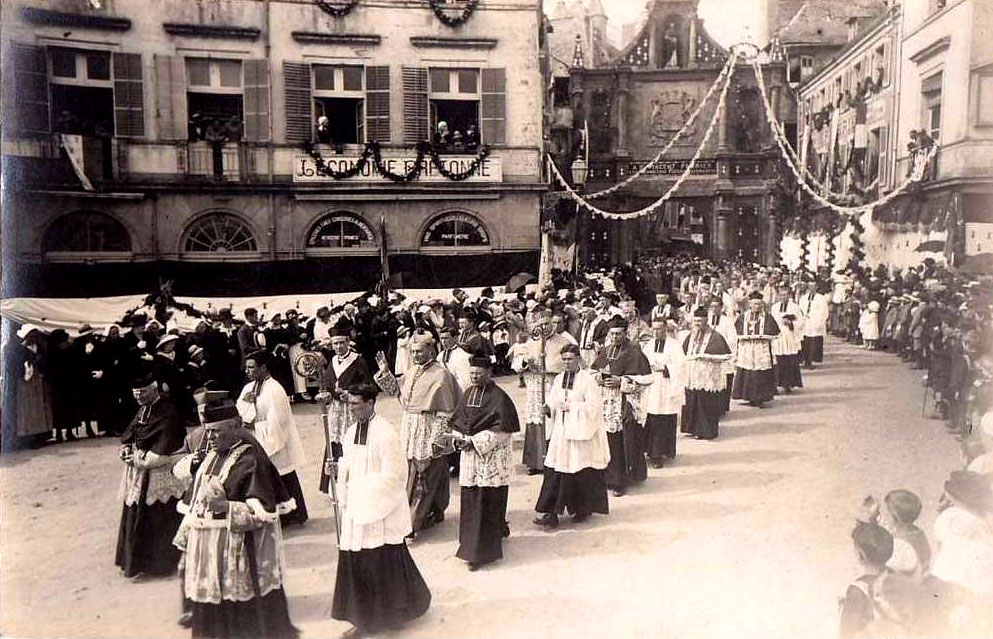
340 230
219 232
86 232
455 229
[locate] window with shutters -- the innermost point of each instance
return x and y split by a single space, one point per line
214 94
454 101
82 92
339 103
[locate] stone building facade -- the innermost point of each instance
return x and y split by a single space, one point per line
168 140
633 106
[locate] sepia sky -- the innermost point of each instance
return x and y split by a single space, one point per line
727 20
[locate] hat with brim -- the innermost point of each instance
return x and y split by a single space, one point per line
167 339
26 330
971 490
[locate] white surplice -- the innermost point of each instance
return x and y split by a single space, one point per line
271 419
578 436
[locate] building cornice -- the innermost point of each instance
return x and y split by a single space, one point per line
50 18
931 50
353 39
453 43
211 31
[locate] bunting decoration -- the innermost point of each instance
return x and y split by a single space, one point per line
336 8
450 20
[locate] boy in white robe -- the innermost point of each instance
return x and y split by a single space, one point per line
265 409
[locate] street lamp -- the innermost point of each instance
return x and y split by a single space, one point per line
580 169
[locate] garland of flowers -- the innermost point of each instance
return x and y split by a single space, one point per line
373 151
858 244
401 178
460 176
454 21
648 209
337 10
324 169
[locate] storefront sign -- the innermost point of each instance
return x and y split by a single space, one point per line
305 169
676 167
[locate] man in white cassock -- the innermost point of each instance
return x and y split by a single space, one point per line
578 453
265 409
378 586
664 399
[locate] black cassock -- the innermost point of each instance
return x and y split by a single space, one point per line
483 517
703 408
627 448
144 540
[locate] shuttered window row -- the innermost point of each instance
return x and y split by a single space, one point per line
31 103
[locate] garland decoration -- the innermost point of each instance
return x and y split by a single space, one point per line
338 8
400 178
450 20
858 244
373 151
648 209
323 169
461 176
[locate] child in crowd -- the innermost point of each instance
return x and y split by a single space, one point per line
517 355
869 325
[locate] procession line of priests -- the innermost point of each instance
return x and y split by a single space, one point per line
377 586
429 395
578 452
265 407
482 427
230 536
343 370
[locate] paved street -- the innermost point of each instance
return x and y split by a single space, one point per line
745 536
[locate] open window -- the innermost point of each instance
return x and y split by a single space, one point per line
82 92
339 104
214 100
454 103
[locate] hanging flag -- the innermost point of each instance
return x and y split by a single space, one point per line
73 145
384 259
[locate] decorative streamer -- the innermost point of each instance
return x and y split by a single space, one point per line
679 134
916 175
336 9
651 208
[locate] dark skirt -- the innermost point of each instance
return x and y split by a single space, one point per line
379 588
627 455
482 523
266 617
581 493
788 371
660 436
726 394
813 349
144 539
754 386
702 413
427 491
535 446
299 514
336 453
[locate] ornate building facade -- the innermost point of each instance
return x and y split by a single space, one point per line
632 106
269 146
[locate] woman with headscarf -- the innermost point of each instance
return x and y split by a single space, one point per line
27 402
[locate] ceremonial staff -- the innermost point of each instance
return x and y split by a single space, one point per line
329 460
